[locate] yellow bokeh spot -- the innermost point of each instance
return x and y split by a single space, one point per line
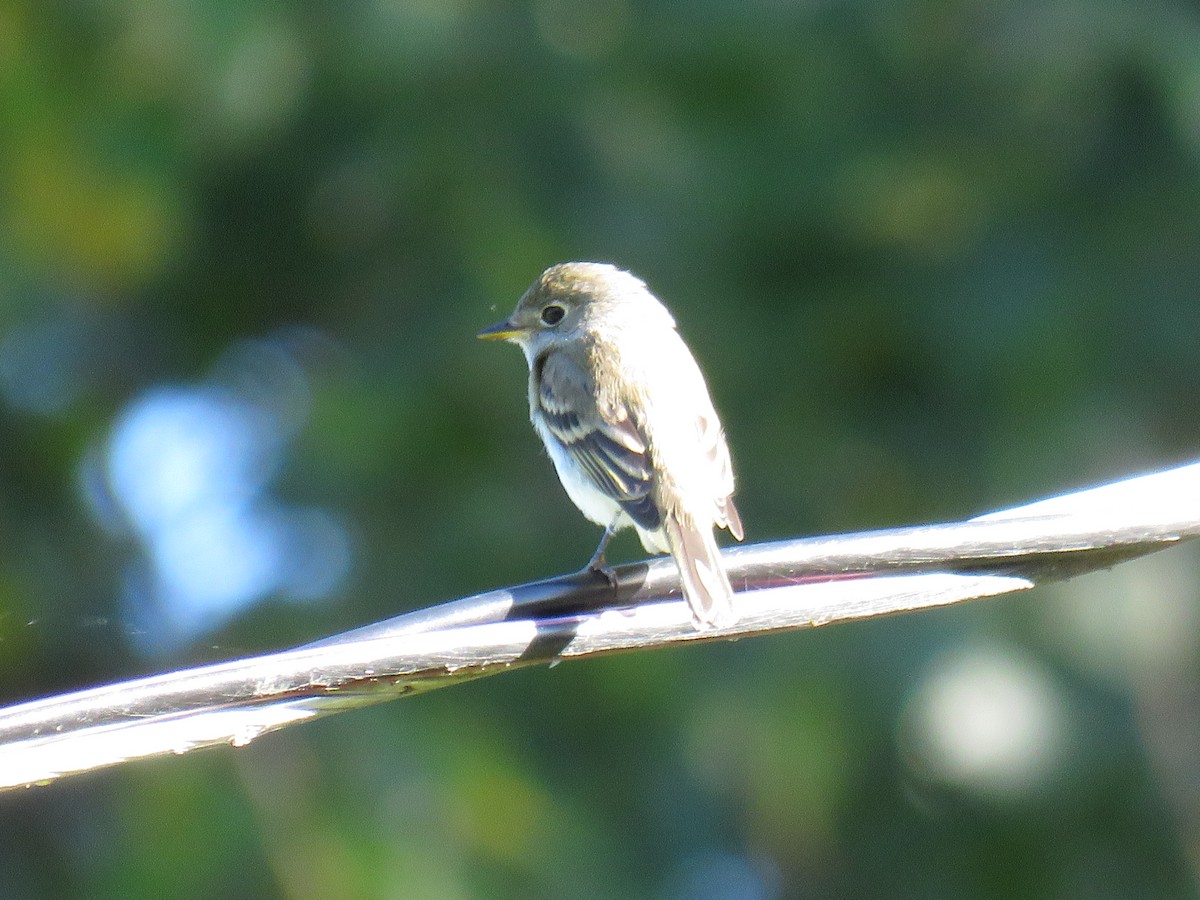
504 812
109 227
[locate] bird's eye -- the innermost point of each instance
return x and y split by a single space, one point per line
553 314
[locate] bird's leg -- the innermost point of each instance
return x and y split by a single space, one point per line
598 563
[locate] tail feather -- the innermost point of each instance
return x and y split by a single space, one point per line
732 520
705 585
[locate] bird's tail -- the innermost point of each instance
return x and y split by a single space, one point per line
701 572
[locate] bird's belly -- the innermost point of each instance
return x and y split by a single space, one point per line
596 505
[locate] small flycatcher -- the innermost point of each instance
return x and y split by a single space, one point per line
624 412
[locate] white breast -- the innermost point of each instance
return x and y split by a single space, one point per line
597 506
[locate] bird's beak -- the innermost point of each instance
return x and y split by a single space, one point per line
501 331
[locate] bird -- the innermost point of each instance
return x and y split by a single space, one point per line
626 417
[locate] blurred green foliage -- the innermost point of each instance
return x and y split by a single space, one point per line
935 257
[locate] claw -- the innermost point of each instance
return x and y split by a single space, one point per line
609 575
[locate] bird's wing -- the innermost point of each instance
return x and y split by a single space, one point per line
716 454
684 428
606 444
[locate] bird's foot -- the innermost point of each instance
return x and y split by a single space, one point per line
599 564
600 567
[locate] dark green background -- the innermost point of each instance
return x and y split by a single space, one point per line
935 258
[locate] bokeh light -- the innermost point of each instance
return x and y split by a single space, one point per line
987 720
190 468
